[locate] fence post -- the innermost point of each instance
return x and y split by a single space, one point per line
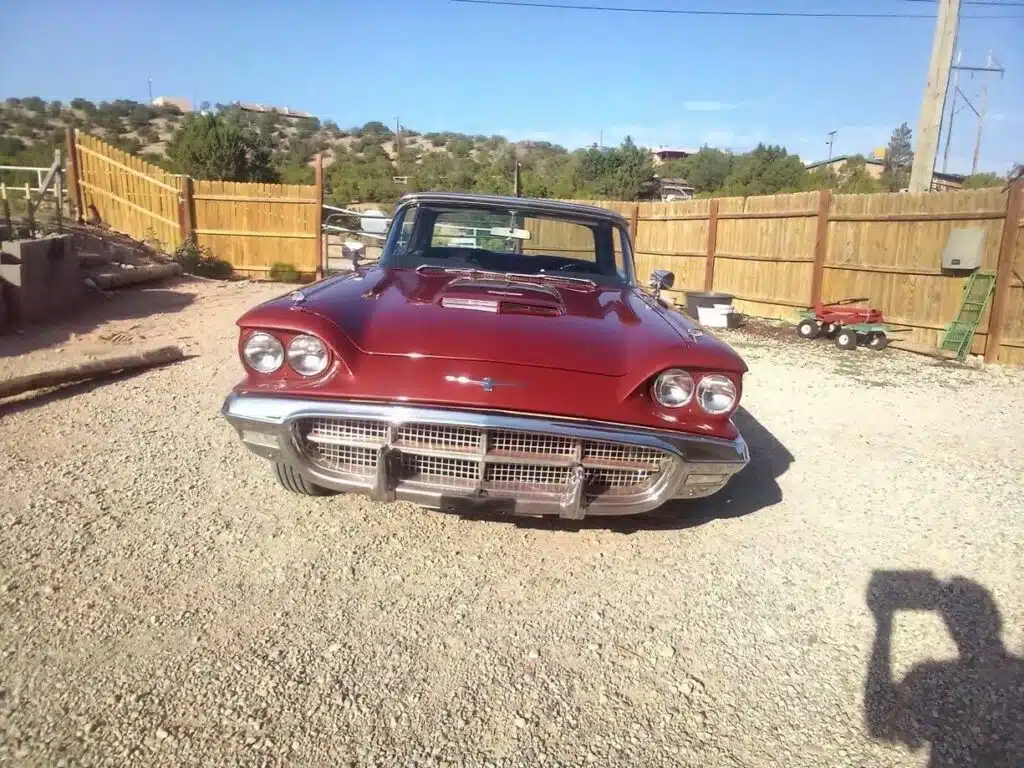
318 179
820 244
709 264
186 225
634 223
1004 270
74 174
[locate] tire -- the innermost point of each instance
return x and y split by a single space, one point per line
878 341
808 329
291 480
846 339
828 330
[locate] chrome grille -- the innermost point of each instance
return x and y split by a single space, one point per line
350 459
505 462
347 431
618 478
527 474
619 453
531 443
440 437
415 466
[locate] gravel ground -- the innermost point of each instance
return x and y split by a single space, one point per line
162 602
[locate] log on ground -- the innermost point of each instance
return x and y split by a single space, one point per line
90 370
109 280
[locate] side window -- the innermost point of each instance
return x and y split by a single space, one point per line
623 253
405 233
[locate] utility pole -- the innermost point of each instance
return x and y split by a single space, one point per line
981 115
600 140
398 138
933 105
150 89
831 141
516 189
952 111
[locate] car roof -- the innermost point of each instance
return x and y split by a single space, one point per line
540 205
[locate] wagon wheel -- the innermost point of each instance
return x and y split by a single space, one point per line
828 330
846 338
878 340
808 329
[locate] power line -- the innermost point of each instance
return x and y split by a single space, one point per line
704 12
989 3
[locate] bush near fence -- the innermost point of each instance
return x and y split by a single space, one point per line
775 253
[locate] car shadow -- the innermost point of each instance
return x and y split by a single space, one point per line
123 304
968 710
752 489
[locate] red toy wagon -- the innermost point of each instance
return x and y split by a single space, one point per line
848 323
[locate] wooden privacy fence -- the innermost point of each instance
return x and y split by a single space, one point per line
251 226
778 253
123 191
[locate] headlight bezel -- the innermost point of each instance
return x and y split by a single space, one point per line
271 340
302 339
716 380
677 373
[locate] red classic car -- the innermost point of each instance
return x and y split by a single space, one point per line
500 356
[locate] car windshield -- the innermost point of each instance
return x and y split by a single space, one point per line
496 239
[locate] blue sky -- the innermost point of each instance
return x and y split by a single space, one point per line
556 75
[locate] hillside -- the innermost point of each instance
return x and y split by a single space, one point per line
371 163
30 128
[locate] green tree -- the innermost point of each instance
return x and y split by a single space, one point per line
982 180
899 156
766 170
83 105
216 147
854 177
706 170
633 170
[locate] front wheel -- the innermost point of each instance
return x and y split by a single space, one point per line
846 339
878 341
808 329
292 480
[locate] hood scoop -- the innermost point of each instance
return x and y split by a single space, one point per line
501 297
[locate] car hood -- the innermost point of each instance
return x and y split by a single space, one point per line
602 330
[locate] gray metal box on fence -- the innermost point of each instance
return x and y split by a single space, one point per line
963 249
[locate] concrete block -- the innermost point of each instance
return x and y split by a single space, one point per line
40 279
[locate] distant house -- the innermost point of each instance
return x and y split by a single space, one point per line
664 154
941 182
173 101
249 106
667 190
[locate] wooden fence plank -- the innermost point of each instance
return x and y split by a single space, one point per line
712 245
1004 270
820 244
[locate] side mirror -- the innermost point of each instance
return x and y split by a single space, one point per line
661 279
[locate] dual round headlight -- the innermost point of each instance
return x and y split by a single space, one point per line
716 394
307 355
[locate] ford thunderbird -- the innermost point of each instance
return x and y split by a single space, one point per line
500 356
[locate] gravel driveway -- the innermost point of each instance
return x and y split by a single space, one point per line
162 602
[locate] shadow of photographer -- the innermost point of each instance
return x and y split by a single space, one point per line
971 710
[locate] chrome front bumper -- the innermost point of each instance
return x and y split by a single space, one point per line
475 460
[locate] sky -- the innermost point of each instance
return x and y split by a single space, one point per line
569 77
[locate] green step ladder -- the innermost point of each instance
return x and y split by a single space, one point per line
960 333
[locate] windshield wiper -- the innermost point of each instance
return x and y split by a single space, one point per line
572 283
